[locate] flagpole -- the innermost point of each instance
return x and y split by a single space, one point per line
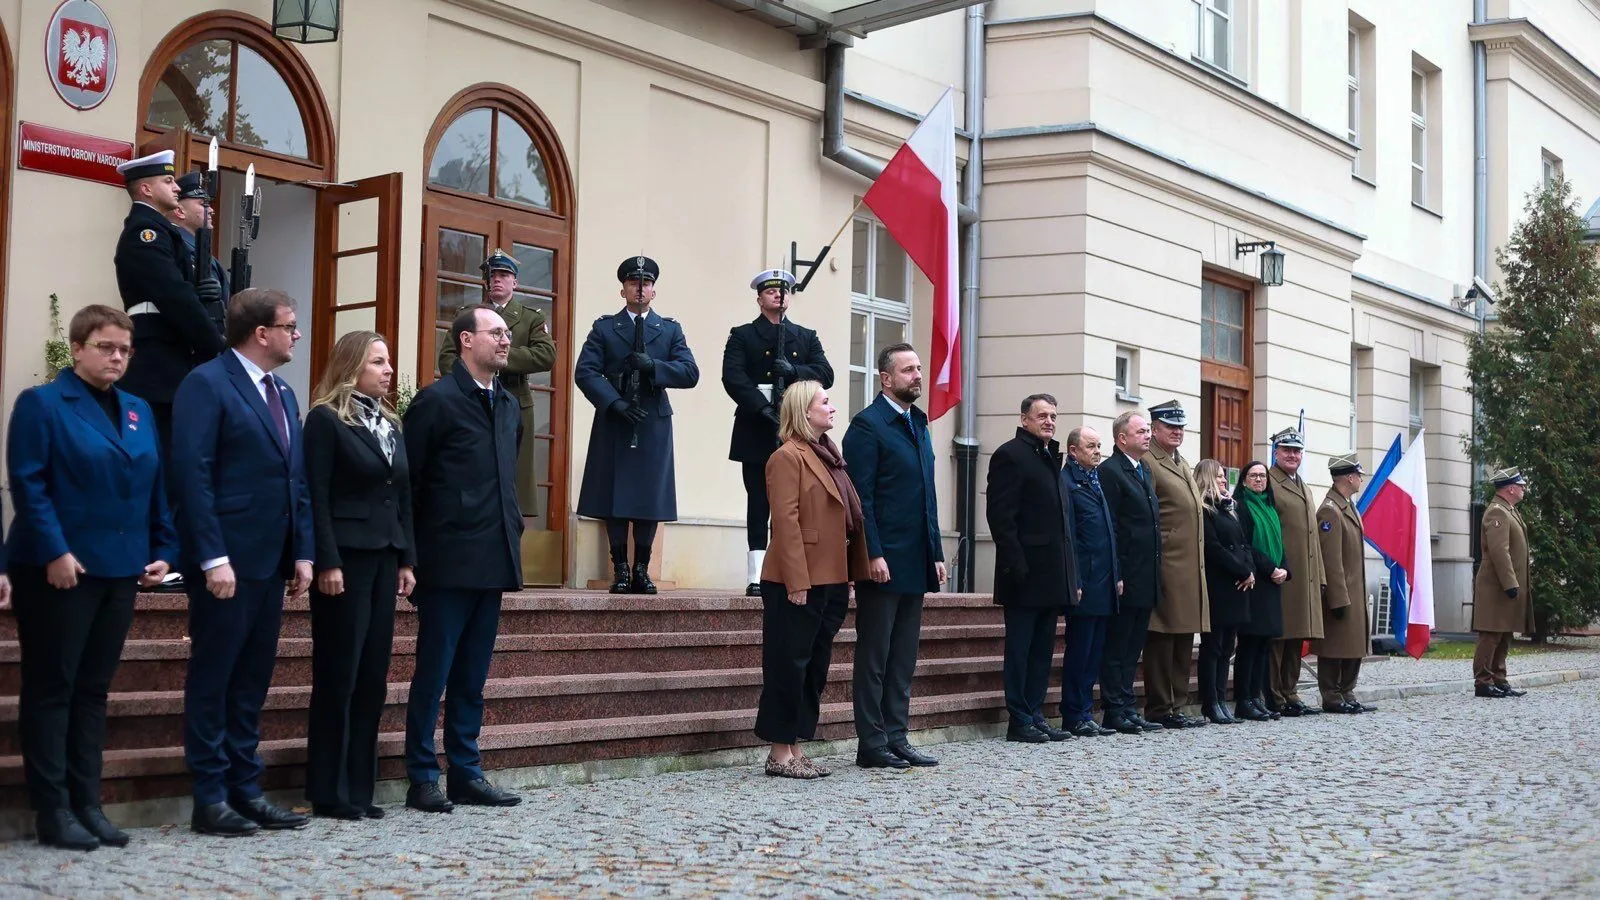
846 223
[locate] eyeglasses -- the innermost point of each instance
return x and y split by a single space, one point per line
496 334
288 327
1256 475
111 350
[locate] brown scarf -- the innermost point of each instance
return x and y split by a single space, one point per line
828 452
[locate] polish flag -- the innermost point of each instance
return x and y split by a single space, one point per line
915 197
1394 514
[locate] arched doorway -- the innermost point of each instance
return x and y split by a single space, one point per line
498 177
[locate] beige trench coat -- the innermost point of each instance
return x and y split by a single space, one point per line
1343 556
1504 539
1301 595
1183 607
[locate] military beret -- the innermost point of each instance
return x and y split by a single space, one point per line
1289 438
1510 475
1169 413
192 186
1344 464
500 261
152 166
772 278
641 267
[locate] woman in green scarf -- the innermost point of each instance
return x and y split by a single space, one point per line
1259 517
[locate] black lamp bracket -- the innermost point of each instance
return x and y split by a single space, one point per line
1240 248
810 264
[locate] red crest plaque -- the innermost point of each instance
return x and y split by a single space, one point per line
81 53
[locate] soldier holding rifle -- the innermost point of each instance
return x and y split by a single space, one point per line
627 363
761 360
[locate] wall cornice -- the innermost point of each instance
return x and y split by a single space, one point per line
1528 43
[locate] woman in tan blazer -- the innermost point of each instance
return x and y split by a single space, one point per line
816 550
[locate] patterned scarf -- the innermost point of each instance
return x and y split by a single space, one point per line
369 414
828 452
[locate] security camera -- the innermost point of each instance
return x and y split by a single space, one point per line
1480 290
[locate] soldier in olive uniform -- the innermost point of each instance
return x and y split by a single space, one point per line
1301 596
1182 609
192 214
1347 635
532 351
762 358
1502 596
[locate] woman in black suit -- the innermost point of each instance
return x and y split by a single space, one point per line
1230 574
361 506
1258 516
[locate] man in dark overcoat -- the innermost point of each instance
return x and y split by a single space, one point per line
1094 538
628 475
1130 495
1035 573
761 359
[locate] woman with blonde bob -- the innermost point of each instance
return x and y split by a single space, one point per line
365 552
817 549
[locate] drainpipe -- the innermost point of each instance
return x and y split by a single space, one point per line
966 441
1480 236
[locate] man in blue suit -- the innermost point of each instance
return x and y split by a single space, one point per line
1094 539
890 458
244 523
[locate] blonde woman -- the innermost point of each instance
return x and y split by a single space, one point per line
816 550
1230 575
365 551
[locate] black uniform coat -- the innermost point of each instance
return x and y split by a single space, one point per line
1266 601
463 485
1095 540
620 482
155 266
1030 516
1229 560
747 362
359 499
216 310
1137 515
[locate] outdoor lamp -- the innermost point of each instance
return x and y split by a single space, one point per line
1271 259
306 21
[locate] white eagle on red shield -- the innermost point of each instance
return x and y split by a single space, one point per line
84 56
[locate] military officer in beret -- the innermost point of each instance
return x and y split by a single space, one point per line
532 351
1347 635
627 364
1300 597
192 214
1183 607
1502 596
172 333
761 359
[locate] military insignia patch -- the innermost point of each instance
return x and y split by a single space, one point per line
1327 526
147 235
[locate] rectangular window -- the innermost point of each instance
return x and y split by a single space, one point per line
1127 374
1416 404
1214 32
1550 170
1222 312
1353 89
1419 137
1361 123
1427 144
880 305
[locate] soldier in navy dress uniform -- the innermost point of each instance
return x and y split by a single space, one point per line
751 365
172 332
628 475
192 214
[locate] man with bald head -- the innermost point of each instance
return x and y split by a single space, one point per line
1098 579
1135 514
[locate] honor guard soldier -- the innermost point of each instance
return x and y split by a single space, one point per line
192 214
532 351
627 363
1347 635
172 333
1502 596
1300 598
761 360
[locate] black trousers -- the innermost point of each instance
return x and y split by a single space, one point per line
71 642
1216 651
888 627
232 649
351 636
1250 667
757 509
796 650
644 538
1025 671
1125 637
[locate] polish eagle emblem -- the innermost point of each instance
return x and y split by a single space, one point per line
84 54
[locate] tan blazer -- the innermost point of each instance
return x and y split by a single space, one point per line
1504 539
1184 607
809 545
1301 595
1340 532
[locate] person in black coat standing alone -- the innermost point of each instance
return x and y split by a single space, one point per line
366 553
1230 575
1035 571
1094 538
461 443
1125 480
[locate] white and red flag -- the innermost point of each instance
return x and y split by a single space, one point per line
1394 515
915 198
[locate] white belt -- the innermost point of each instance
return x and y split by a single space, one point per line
139 309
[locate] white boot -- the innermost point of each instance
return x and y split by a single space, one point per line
753 562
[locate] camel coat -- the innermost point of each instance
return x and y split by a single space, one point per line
1504 539
1301 596
1343 554
809 545
1183 607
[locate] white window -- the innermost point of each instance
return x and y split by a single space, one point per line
880 305
1419 137
1550 170
1353 98
1355 417
1416 405
1127 374
1214 32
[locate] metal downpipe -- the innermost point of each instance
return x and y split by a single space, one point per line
966 445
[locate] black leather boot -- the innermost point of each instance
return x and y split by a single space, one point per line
641 579
621 582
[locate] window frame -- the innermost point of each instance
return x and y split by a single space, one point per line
1416 403
1206 12
873 308
1127 380
1419 126
1549 164
1353 111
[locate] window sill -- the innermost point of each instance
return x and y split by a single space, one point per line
1432 212
1126 397
1364 180
1219 71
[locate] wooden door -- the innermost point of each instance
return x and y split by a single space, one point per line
357 264
1227 417
1226 377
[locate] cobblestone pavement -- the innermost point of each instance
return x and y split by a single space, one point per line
1439 796
1567 653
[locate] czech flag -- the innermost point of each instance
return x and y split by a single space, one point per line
1394 514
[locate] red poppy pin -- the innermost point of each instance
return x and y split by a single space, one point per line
133 416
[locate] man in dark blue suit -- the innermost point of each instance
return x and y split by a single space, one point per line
890 457
1095 541
244 523
1130 495
461 441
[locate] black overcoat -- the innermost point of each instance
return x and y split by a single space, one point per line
1094 538
1228 561
747 363
1138 515
1030 514
155 266
1266 601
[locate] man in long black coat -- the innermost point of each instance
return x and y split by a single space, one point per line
760 360
1035 571
628 475
1125 479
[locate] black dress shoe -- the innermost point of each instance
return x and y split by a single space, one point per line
1101 728
1344 708
1124 725
880 758
1292 710
1145 724
913 756
95 822
1306 710
641 579
1506 689
1491 691
1173 722
372 812
1053 733
621 579
752 590
60 828
1251 711
1362 707
268 816
221 819
1085 728
428 798
479 792
336 811
1025 734
1216 715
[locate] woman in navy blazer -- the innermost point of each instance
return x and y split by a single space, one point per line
91 528
361 513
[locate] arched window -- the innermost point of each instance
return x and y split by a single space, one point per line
485 152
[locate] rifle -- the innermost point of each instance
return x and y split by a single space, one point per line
778 385
633 380
202 235
249 227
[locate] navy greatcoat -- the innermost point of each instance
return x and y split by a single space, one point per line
1094 537
620 482
1133 505
1029 508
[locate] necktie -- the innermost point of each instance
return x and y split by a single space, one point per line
1144 474
638 332
487 396
275 407
911 425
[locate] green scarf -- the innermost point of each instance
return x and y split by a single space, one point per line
1267 536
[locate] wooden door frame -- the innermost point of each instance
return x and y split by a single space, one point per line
388 191
1237 377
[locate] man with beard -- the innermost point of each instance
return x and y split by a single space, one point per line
890 457
1182 610
1125 479
1301 595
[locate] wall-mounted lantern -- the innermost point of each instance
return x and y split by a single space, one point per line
1271 259
306 21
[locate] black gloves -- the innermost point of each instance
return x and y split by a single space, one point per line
641 363
1339 612
770 413
209 290
627 411
1512 593
782 368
